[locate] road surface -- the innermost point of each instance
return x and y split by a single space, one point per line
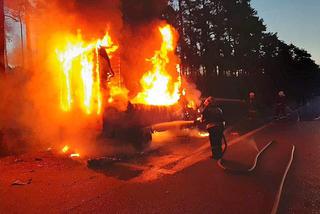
178 178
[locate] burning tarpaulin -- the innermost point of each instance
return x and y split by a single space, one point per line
82 77
83 82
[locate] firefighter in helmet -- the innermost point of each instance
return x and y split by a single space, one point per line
212 116
281 104
252 106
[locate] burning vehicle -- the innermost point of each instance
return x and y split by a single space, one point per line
89 85
93 70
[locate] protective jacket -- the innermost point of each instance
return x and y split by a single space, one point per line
212 116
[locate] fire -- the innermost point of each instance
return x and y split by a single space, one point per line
75 155
157 84
65 149
203 134
80 75
118 97
191 104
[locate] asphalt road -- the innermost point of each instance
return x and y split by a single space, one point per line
178 179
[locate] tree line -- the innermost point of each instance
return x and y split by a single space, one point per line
225 48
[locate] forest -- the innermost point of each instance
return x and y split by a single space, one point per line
226 49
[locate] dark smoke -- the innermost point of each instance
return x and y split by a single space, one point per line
140 38
97 14
137 12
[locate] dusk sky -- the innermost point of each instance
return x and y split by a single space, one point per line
295 21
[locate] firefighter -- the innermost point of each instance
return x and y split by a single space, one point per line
252 106
212 116
281 104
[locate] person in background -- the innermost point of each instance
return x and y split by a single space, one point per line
252 106
281 104
212 116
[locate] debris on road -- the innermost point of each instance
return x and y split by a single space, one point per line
18 160
98 162
21 183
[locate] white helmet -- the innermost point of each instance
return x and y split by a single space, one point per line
281 94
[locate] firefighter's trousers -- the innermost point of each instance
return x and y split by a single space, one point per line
215 135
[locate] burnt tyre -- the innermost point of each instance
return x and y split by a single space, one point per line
140 137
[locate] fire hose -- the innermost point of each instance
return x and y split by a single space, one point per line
170 125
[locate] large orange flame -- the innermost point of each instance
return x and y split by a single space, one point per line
80 73
157 84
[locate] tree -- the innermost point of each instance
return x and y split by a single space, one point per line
227 40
